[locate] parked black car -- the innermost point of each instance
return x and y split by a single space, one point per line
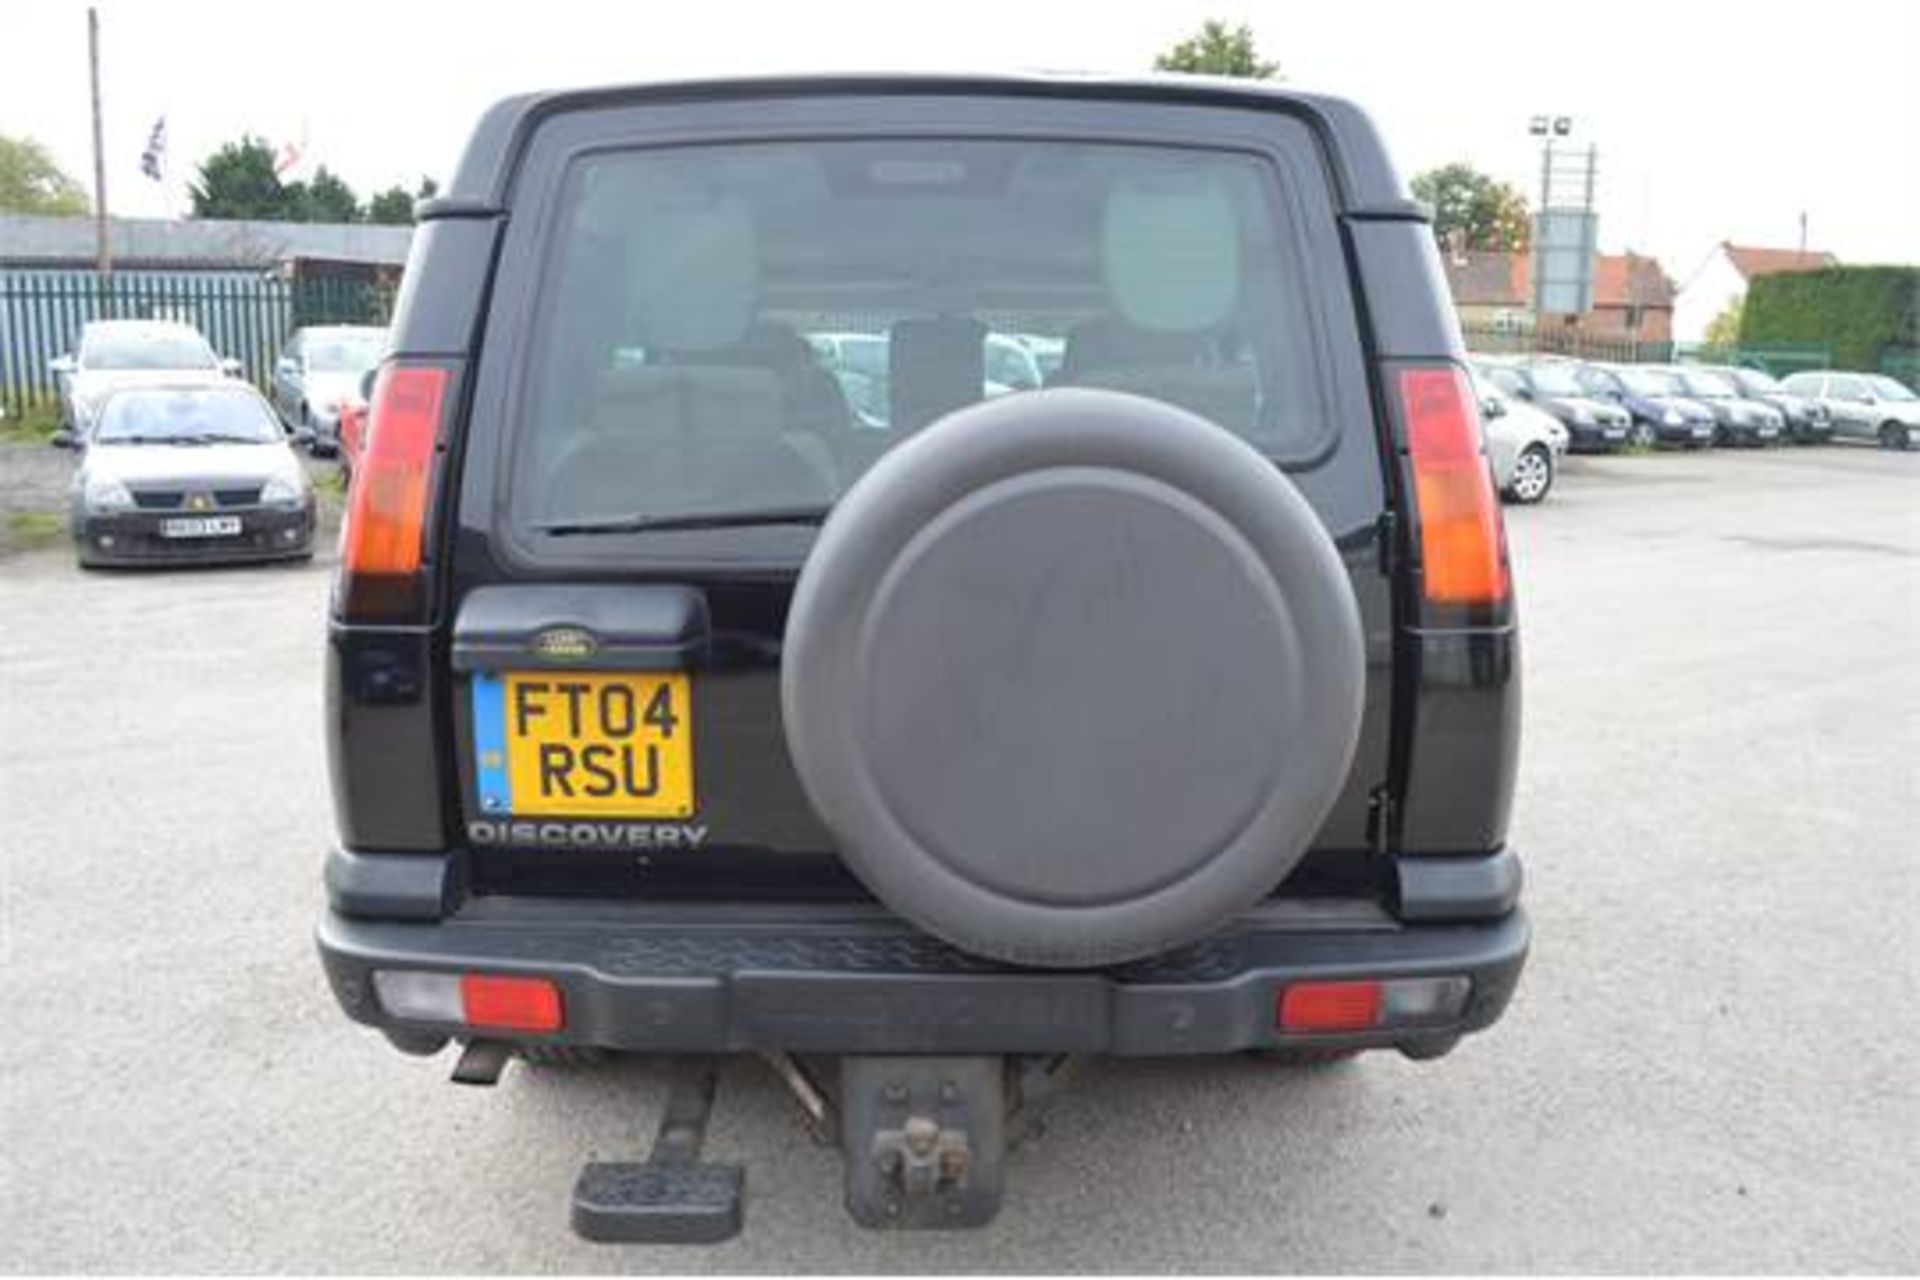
1738 419
1661 411
1807 420
1594 424
1173 709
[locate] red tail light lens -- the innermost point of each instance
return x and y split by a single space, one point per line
510 1004
1330 1006
384 539
1462 553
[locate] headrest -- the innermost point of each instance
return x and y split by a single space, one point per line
693 271
934 366
1171 251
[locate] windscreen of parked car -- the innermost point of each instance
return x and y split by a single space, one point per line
1707 386
1651 382
1554 380
344 353
765 282
197 416
1885 388
146 349
1756 382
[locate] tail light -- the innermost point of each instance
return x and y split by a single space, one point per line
383 543
1367 1003
1463 555
501 1002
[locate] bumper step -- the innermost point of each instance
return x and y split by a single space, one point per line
673 1197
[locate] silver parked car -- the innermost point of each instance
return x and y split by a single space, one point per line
1863 406
1524 444
112 354
319 371
188 472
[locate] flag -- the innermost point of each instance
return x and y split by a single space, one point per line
153 161
290 153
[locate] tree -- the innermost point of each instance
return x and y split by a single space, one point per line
394 207
238 181
30 181
1218 50
325 199
1724 329
1481 212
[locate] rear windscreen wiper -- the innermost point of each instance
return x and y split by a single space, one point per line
643 523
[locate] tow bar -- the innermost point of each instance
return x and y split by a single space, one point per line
923 1140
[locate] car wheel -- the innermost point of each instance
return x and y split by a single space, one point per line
1532 474
1641 437
1893 436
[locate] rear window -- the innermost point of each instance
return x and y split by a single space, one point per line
145 349
737 327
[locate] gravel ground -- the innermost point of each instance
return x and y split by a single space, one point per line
1709 1065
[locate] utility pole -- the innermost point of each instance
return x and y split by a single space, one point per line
103 244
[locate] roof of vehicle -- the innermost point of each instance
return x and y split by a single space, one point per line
341 328
185 386
1365 180
140 326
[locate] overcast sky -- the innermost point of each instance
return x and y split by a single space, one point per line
1721 121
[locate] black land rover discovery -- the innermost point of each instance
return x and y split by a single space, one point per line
1169 707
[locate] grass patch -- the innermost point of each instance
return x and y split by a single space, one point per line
33 425
36 528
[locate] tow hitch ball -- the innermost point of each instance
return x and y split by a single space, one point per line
923 1140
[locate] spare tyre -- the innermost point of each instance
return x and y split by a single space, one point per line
1072 676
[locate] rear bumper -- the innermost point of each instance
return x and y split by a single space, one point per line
851 979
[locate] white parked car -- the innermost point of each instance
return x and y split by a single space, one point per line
1524 444
1864 406
318 374
113 354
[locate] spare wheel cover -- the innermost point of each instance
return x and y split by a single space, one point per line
1072 676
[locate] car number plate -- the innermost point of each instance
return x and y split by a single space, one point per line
200 527
584 744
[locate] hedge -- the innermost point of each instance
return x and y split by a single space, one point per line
1856 311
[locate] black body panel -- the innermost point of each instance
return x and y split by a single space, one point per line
1434 769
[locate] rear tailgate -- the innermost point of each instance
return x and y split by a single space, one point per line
561 645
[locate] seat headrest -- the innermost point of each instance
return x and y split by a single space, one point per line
1171 250
693 272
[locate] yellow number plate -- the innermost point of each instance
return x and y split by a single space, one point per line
584 744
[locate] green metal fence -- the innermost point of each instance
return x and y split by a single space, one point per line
245 316
1902 363
1778 359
